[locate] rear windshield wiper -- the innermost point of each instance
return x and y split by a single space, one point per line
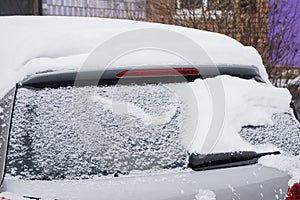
199 162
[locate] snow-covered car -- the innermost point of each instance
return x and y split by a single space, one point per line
149 126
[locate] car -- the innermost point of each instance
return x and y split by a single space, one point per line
52 157
117 109
294 87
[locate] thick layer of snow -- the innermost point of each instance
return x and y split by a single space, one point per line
245 103
34 44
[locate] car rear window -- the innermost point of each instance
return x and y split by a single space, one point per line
6 106
284 133
87 132
72 133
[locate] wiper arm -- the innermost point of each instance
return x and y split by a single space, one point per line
200 162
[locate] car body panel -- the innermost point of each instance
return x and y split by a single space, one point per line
247 183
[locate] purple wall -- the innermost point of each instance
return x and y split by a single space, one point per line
132 9
284 19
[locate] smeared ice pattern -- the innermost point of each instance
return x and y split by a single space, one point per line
66 133
283 133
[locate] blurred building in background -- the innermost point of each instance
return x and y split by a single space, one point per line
124 9
20 7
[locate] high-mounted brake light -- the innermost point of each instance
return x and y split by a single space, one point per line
158 72
3 198
294 192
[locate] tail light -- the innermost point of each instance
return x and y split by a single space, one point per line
3 198
294 192
158 72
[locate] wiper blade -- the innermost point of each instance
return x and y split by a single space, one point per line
199 162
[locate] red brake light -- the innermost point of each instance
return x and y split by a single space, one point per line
3 198
294 192
158 72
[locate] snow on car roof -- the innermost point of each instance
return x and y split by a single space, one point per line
34 44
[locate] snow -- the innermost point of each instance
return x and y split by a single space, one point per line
223 104
97 136
131 123
8 195
121 107
284 133
205 195
287 163
246 103
295 81
35 44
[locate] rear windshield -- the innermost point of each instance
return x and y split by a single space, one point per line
87 132
284 133
72 133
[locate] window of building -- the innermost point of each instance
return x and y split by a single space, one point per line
190 4
220 5
206 4
200 8
247 5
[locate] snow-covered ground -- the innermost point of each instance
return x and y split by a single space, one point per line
36 44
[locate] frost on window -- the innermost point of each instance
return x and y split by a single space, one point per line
86 132
6 104
283 133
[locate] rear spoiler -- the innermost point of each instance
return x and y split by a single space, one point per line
138 75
